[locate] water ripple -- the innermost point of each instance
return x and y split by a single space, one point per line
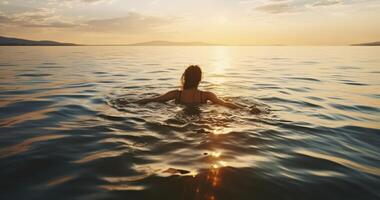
68 130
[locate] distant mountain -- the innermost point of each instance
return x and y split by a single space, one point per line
6 41
368 44
167 43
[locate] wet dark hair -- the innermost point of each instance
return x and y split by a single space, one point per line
191 77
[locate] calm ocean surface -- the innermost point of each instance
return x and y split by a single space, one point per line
62 136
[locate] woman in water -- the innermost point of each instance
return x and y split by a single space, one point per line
190 94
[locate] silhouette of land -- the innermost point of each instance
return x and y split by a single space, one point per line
8 41
368 44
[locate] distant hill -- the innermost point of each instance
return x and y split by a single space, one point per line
167 43
7 41
368 44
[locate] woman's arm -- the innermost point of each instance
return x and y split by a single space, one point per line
214 99
162 98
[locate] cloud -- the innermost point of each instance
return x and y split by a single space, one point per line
91 1
289 6
83 1
4 19
131 23
327 2
64 4
73 3
276 8
36 18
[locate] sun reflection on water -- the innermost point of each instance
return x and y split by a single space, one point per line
212 178
220 62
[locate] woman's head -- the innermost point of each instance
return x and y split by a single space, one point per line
191 77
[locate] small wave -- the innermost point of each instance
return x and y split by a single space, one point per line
282 100
142 79
51 67
165 79
157 72
300 89
34 75
347 67
315 98
25 145
49 63
109 81
342 161
75 110
357 84
310 62
98 155
78 85
356 108
275 58
305 79
100 73
152 64
22 107
7 65
67 96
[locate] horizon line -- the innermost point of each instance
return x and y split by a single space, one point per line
174 43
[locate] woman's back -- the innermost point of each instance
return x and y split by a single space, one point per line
190 96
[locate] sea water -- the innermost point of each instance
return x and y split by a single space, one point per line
64 136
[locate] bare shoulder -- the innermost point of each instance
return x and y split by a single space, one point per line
209 95
172 93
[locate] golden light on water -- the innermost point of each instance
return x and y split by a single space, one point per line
220 61
221 130
215 154
26 145
222 163
60 117
342 161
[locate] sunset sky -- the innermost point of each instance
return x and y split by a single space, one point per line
260 22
